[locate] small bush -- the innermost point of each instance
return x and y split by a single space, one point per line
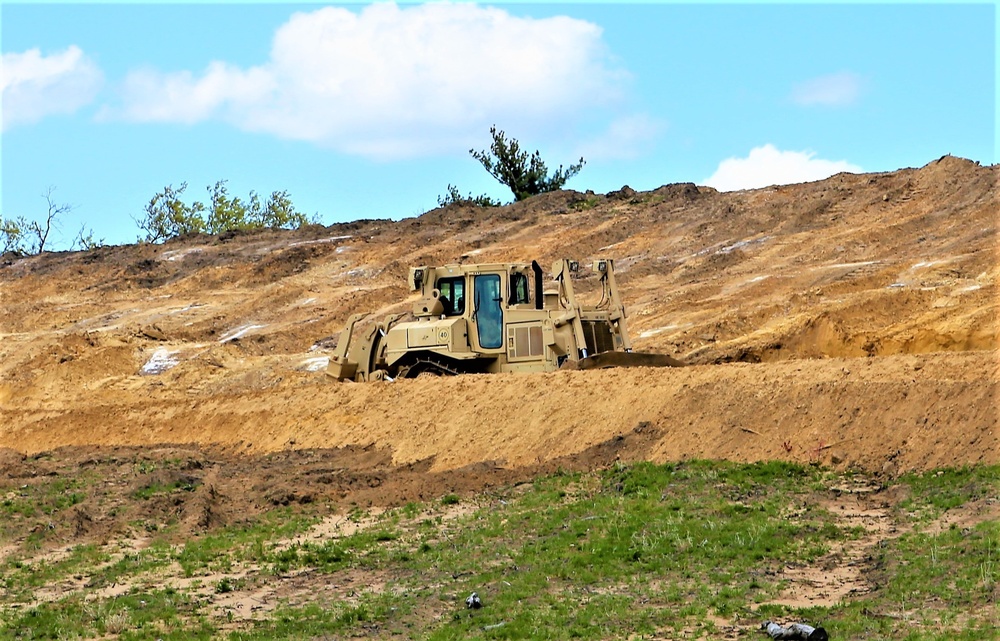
167 216
455 197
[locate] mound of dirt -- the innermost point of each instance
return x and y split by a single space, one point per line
850 322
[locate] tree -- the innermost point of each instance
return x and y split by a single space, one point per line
278 212
22 236
227 214
12 235
41 230
85 239
525 175
167 216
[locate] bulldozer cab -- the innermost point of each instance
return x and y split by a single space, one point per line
454 284
483 295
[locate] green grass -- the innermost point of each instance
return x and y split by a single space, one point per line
587 203
20 577
933 493
319 621
576 551
635 550
931 586
636 546
44 499
221 551
161 614
154 488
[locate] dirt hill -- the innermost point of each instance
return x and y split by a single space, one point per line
850 322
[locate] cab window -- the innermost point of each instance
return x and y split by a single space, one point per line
519 289
452 295
489 311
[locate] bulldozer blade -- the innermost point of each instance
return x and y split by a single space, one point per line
624 359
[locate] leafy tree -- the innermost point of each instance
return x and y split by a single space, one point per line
225 213
167 216
454 197
278 212
12 235
525 175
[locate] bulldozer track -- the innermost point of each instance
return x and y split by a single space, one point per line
428 365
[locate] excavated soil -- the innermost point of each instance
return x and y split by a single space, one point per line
850 322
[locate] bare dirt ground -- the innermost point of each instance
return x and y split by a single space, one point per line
850 322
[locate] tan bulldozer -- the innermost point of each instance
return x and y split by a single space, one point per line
489 318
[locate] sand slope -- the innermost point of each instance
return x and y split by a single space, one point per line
851 322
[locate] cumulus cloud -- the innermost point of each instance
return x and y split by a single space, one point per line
35 85
388 81
833 90
626 138
767 165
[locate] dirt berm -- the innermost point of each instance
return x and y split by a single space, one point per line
849 322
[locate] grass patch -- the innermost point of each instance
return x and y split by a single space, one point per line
153 488
316 621
586 204
30 501
244 543
161 614
21 576
932 493
927 587
639 550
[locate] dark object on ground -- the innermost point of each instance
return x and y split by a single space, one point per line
473 602
799 631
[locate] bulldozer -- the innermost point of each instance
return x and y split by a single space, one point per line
489 318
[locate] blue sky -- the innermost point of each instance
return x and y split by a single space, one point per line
369 111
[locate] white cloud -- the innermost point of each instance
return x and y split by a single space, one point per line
34 86
626 138
833 90
390 81
767 165
179 97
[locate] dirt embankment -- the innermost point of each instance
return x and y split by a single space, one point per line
889 414
851 322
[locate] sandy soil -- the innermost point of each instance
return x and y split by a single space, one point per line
850 322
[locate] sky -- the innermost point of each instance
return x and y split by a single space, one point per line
370 110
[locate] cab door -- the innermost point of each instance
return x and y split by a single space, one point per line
488 311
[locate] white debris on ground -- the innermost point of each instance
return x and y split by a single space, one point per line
659 330
161 360
863 263
315 364
740 244
187 308
240 332
178 254
330 239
